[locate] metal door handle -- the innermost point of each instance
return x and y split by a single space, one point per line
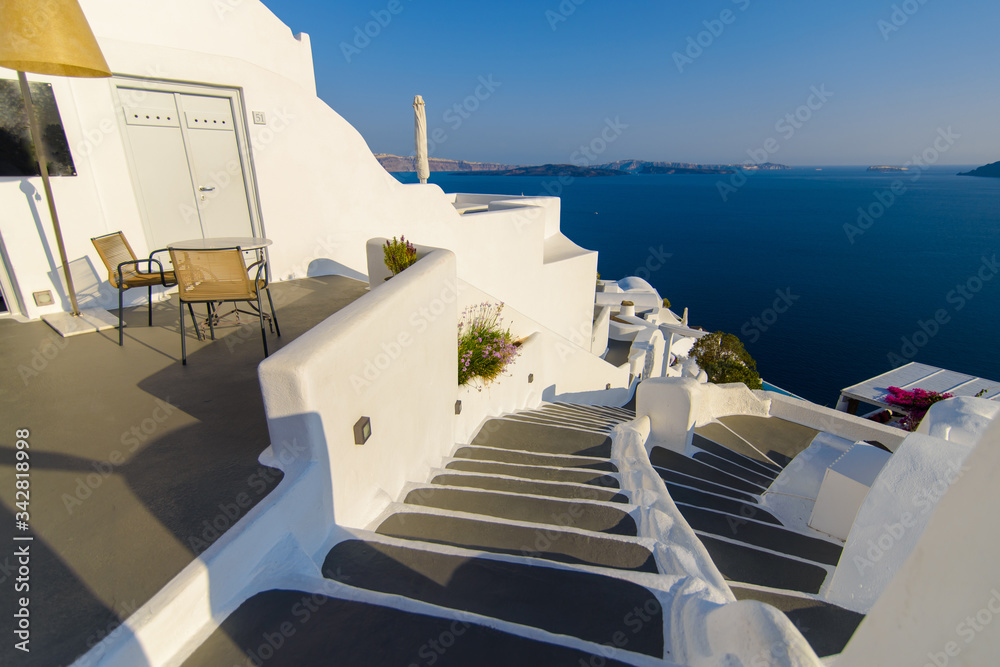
206 188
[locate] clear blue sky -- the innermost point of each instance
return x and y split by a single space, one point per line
896 72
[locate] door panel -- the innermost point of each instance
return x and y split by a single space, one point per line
160 162
216 167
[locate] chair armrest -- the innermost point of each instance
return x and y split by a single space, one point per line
261 264
149 265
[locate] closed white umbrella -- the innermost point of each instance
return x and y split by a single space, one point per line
420 135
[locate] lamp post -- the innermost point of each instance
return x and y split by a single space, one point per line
48 38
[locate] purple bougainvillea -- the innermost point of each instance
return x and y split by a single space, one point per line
916 402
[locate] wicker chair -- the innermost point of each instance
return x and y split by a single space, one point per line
124 272
213 276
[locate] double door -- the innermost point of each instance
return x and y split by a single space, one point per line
189 161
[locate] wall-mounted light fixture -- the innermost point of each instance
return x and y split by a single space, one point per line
531 378
362 431
458 407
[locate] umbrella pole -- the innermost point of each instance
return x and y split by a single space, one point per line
43 168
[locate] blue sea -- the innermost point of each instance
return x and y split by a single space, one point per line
828 275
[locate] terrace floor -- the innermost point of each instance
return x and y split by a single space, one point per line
137 463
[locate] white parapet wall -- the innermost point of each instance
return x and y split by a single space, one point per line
676 406
366 361
942 606
894 516
832 421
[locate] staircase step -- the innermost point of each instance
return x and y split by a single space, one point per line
767 536
580 514
625 413
748 565
695 498
585 605
575 424
556 545
702 485
508 485
524 458
826 627
734 469
592 417
671 460
537 472
779 439
507 434
284 628
713 447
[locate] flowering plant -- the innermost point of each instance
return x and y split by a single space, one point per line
399 254
916 402
485 348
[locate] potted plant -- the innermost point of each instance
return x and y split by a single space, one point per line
399 254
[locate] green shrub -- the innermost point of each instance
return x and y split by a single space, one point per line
723 357
485 348
666 303
399 254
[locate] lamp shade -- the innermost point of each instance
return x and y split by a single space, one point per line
51 37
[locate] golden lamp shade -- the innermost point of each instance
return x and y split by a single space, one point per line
50 37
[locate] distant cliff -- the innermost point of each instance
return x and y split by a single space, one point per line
401 163
646 167
550 170
886 168
991 170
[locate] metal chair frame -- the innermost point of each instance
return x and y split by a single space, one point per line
257 284
122 283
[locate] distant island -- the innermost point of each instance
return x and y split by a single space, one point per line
991 170
653 169
645 167
397 163
403 163
571 170
884 168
